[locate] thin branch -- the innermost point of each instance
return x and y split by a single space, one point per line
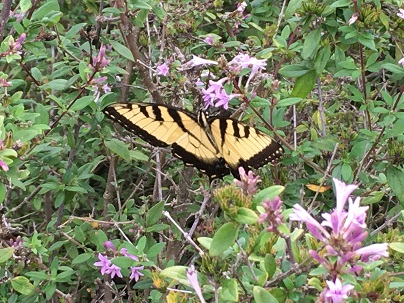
185 234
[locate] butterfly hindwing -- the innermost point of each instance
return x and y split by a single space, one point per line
243 145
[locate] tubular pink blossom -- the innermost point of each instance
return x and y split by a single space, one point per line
342 193
300 214
336 292
192 276
379 249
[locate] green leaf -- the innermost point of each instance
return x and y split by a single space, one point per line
229 290
366 41
159 12
394 68
154 213
206 242
288 102
223 238
294 71
246 216
293 5
25 5
322 58
141 244
157 228
49 290
384 19
268 193
22 285
119 148
261 295
138 155
395 179
341 3
266 53
397 246
57 245
45 9
15 97
373 197
269 265
141 5
5 254
82 103
82 258
176 273
2 194
155 249
8 153
232 44
311 43
58 84
123 262
304 84
37 275
122 50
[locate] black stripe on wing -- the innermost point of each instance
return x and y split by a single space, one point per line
243 145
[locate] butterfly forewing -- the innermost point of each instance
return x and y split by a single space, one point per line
163 126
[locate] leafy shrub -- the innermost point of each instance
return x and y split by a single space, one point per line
92 212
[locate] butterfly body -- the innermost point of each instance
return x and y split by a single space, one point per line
216 146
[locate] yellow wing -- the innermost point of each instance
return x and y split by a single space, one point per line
162 126
242 145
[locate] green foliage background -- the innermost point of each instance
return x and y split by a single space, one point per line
333 92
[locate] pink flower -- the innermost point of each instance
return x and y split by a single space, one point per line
3 165
353 18
124 252
100 61
337 293
192 276
109 245
215 94
401 61
241 7
210 94
113 270
347 232
196 61
401 13
315 228
5 83
243 61
98 83
273 214
373 252
104 263
209 40
17 45
199 82
135 272
223 99
17 244
163 70
248 182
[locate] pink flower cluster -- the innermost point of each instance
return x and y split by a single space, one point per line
342 233
113 270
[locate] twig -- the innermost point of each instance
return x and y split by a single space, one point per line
206 197
326 173
185 234
386 224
